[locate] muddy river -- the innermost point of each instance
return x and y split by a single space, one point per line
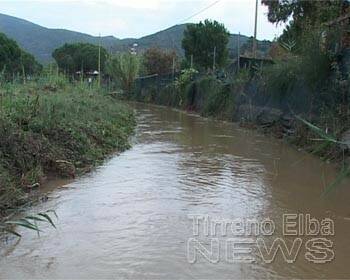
193 199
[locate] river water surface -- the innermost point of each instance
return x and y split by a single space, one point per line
131 218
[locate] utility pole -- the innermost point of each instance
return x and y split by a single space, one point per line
99 61
214 59
255 28
239 52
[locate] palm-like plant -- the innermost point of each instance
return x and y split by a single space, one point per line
28 222
124 68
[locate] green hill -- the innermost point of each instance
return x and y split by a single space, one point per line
41 41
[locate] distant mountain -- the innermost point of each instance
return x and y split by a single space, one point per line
41 41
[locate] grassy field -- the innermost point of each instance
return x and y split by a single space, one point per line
51 128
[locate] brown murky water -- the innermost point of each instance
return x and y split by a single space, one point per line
131 217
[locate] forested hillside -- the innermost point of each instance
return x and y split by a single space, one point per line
41 41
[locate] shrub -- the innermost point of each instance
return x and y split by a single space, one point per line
158 61
217 98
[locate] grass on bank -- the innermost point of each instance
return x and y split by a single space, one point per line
51 127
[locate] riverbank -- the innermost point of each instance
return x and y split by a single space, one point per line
246 101
51 128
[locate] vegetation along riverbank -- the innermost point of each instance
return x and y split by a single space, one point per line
53 128
54 122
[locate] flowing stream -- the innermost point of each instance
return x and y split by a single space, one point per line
133 217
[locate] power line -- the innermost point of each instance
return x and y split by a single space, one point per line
201 11
186 19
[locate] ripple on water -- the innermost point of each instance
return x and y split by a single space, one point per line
129 218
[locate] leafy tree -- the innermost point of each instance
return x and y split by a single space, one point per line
157 61
10 54
14 60
124 68
201 39
301 10
302 15
79 56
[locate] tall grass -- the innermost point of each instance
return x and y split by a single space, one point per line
52 127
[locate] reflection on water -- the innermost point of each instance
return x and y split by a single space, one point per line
129 218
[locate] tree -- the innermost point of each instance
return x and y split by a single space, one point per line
302 15
157 61
124 68
79 56
14 60
301 10
201 39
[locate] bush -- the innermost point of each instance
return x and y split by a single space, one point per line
183 87
281 78
158 61
217 98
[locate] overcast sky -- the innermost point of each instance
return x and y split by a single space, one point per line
136 18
